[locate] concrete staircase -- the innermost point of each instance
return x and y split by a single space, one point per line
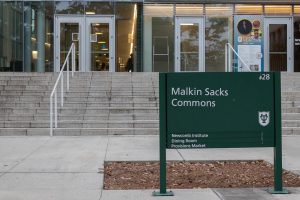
97 104
290 98
101 103
110 103
24 103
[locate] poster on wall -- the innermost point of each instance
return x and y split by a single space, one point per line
248 41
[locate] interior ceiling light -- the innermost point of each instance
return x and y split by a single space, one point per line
218 8
133 26
186 24
272 9
248 8
34 55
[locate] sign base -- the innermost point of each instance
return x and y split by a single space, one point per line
158 194
272 191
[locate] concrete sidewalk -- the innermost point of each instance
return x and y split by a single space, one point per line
69 168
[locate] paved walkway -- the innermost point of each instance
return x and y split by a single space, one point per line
66 168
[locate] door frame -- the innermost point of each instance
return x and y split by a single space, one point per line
58 19
84 44
190 19
290 49
100 19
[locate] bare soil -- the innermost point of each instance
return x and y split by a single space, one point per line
185 175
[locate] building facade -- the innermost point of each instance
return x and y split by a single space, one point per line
149 36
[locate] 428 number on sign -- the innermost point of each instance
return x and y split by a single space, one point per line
264 77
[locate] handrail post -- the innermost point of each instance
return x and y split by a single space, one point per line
68 79
71 52
62 89
226 58
51 116
55 108
73 59
230 67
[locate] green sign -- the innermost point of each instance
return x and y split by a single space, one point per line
220 110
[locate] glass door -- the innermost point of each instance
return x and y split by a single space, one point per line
68 31
189 44
100 44
94 41
278 44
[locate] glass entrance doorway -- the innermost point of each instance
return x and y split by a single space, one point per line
68 30
278 44
189 44
94 41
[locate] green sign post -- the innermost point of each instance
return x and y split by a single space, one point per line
220 110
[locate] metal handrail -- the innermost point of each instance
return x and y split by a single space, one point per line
60 77
228 58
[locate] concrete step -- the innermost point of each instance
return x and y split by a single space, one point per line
110 94
138 91
290 98
85 116
291 131
99 131
105 104
291 116
82 124
291 110
28 78
68 111
25 93
106 110
106 116
26 82
76 131
291 123
290 104
14 98
290 93
105 131
127 99
105 124
23 105
24 131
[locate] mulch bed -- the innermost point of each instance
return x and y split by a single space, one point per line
185 175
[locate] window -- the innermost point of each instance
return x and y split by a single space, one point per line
248 9
158 38
278 10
